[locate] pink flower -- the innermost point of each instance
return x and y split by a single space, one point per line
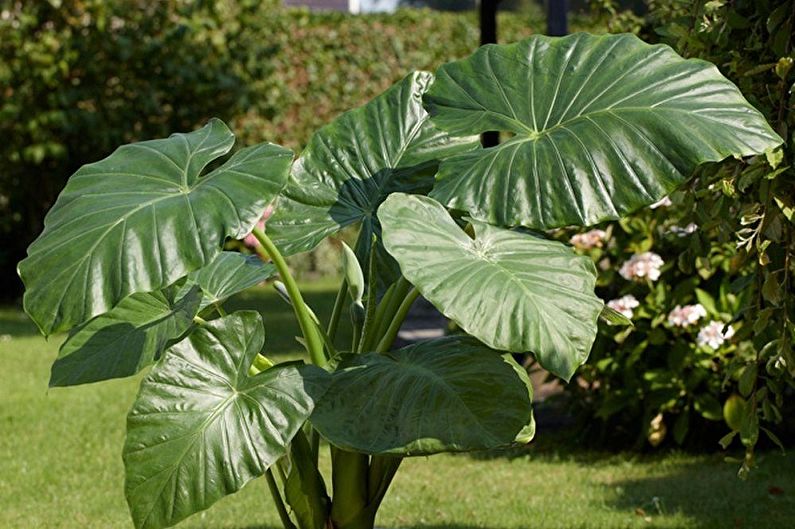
251 241
642 265
683 232
687 315
589 239
713 334
624 305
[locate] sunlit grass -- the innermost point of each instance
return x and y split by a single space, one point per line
60 464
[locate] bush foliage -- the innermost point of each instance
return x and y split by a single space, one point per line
711 350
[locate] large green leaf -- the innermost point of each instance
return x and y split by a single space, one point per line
125 340
602 126
511 290
142 218
446 395
228 274
352 164
201 428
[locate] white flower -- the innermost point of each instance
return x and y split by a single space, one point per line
642 265
664 203
624 305
589 239
687 315
683 232
713 334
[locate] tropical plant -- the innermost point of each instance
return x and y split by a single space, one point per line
130 260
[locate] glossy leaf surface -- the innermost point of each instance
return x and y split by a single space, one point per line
602 125
228 274
511 290
142 218
352 164
446 395
201 428
125 340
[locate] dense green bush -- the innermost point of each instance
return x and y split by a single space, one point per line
78 77
725 247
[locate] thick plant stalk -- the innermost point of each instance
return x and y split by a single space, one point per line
350 492
314 343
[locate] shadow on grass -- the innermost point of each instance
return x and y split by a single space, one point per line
711 493
15 323
423 526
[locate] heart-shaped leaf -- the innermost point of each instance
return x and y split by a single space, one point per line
602 125
142 218
511 290
447 395
125 340
201 428
228 274
352 164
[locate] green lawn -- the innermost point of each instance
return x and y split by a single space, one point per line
60 465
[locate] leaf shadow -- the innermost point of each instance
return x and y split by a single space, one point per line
15 323
708 491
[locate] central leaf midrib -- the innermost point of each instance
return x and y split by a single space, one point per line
529 135
195 434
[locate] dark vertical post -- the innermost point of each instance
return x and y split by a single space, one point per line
557 25
488 35
488 22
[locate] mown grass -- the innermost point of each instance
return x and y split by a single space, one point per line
60 464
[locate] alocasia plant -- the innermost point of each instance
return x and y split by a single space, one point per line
131 261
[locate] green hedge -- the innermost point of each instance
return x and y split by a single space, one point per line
79 77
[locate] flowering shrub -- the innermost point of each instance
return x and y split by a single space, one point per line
705 274
662 378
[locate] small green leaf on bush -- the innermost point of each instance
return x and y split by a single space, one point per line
749 427
734 411
727 439
707 301
708 406
747 380
613 317
771 290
